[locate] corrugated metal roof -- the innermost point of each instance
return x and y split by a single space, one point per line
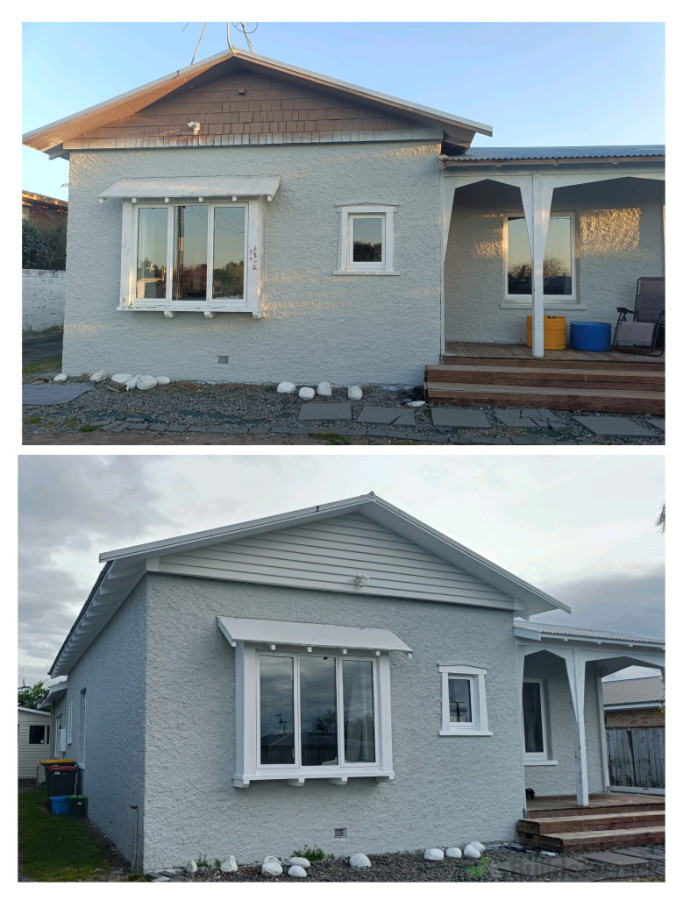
513 154
588 633
632 690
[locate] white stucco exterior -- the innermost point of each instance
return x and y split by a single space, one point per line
619 236
316 326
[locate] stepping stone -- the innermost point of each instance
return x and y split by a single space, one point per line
318 412
52 394
613 859
613 425
658 422
385 415
525 865
566 862
459 418
644 852
527 418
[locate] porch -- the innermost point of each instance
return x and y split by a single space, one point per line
610 820
496 374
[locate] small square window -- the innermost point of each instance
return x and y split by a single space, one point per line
38 734
366 241
463 692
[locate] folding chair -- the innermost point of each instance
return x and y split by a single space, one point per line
641 333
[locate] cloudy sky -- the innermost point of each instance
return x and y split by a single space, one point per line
580 527
537 83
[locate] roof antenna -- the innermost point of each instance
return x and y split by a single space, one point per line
242 27
198 43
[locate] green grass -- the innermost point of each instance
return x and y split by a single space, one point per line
56 848
43 366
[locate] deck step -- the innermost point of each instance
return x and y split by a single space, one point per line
605 821
618 837
598 808
544 376
572 398
547 363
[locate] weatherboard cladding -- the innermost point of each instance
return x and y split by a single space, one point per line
329 555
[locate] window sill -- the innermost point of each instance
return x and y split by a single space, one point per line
465 733
365 272
169 309
540 762
547 304
298 779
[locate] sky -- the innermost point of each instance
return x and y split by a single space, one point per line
579 527
536 83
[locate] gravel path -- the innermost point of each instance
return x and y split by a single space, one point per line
409 867
186 412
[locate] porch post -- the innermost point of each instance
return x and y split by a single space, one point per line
537 198
576 675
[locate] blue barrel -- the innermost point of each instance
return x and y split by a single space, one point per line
590 335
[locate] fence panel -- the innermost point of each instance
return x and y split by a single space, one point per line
636 757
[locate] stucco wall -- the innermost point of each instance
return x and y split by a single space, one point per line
548 780
112 674
447 790
42 299
619 237
344 329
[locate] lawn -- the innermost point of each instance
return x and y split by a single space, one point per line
57 848
43 366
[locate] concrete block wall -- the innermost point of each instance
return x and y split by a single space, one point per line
42 296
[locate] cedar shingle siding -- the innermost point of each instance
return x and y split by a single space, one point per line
242 104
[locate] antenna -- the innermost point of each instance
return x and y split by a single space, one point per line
239 25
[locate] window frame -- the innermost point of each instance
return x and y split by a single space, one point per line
348 214
556 301
544 757
475 675
69 723
250 303
247 684
33 729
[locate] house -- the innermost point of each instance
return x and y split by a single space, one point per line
34 742
244 220
38 206
634 719
310 677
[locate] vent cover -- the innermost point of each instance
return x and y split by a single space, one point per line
223 360
340 832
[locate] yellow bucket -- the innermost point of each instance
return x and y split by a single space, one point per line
554 332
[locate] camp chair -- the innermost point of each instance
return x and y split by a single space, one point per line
641 333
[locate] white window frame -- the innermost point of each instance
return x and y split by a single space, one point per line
479 726
346 265
250 303
248 765
555 301
69 723
542 758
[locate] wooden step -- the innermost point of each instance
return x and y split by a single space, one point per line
605 821
544 376
589 399
599 808
601 840
547 362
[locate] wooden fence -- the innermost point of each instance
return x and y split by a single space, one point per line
636 757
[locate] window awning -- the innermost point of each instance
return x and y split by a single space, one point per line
240 186
308 634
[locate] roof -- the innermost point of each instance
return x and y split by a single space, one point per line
515 155
124 568
539 630
628 692
50 137
28 198
37 712
195 186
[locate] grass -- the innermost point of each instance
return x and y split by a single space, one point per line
43 366
56 848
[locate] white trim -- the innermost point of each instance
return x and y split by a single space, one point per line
69 723
346 265
541 758
247 708
540 762
479 726
550 301
249 303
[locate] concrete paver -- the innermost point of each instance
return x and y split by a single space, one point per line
459 418
619 426
525 865
613 858
52 394
527 418
319 412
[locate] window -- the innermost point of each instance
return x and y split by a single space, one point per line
535 728
191 257
69 722
39 734
463 700
559 263
366 241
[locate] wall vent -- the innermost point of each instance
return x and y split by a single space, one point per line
340 832
223 360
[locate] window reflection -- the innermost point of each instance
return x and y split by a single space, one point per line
367 238
318 682
190 224
151 253
557 261
228 252
460 699
359 714
276 685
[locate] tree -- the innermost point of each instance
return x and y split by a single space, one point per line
661 519
32 697
44 242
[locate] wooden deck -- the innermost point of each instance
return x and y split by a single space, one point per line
610 820
508 375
